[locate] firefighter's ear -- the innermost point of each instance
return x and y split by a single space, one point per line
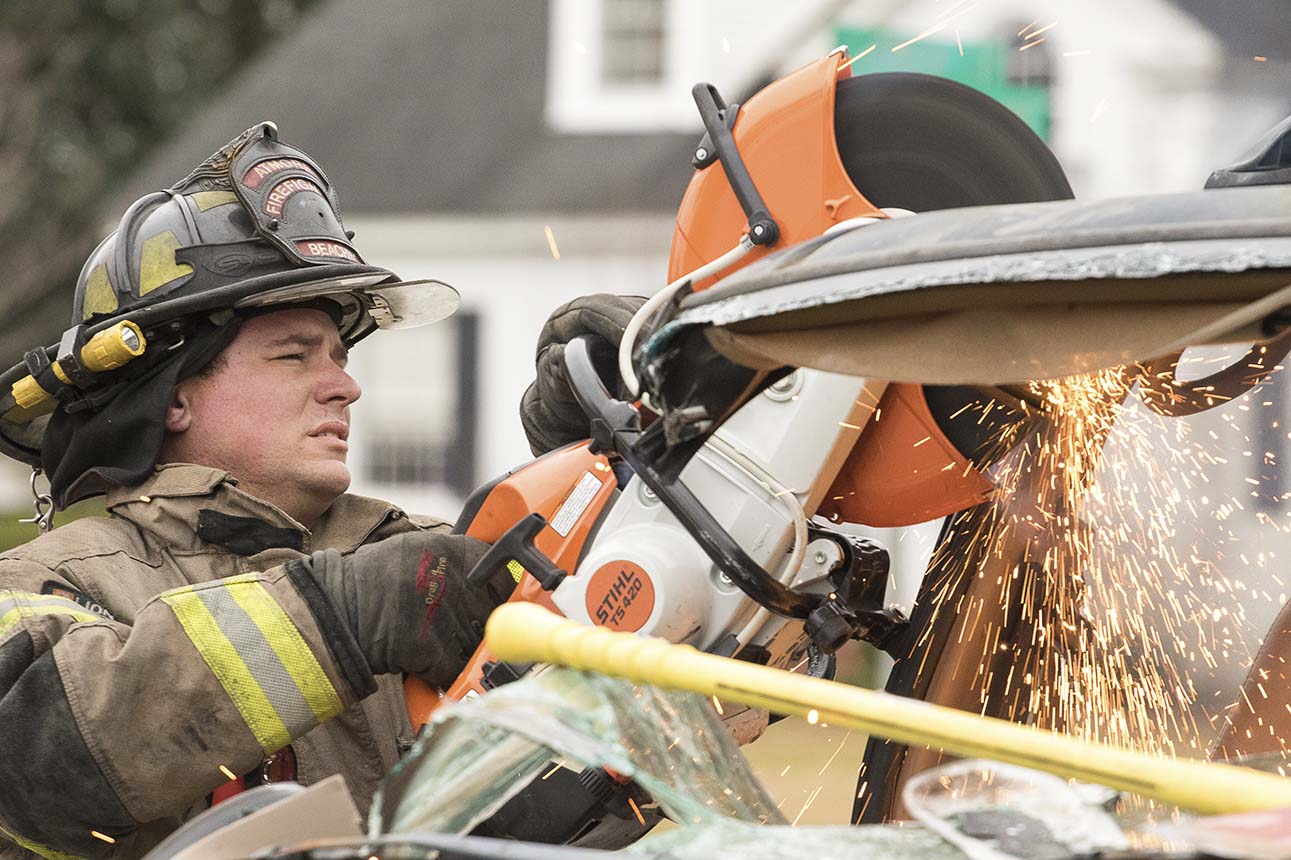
179 412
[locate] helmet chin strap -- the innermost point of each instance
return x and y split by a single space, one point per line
42 502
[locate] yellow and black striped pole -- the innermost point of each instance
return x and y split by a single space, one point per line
524 632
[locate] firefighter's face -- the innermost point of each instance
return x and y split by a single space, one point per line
273 411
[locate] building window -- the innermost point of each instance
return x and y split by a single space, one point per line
419 406
627 66
1031 61
632 41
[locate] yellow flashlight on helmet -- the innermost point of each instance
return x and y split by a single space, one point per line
107 350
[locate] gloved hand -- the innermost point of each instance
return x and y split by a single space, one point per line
407 603
549 412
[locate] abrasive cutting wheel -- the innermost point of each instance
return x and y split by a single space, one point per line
921 143
924 143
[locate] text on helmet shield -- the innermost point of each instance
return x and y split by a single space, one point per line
260 172
283 191
324 248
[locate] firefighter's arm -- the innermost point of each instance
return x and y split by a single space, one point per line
407 602
109 726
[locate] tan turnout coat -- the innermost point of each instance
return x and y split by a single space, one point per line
124 689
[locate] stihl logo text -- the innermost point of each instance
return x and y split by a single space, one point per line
614 605
620 596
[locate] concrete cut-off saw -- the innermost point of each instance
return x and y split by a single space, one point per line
772 401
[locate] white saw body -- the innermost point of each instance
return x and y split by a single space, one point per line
762 475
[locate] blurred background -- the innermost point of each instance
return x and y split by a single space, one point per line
528 152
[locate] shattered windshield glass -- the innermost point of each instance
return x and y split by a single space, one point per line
478 753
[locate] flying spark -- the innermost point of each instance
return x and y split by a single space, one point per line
936 28
106 838
810 800
228 773
836 752
925 34
951 8
551 241
1091 586
636 811
858 56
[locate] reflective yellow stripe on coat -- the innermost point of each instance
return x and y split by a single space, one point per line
35 847
17 605
258 655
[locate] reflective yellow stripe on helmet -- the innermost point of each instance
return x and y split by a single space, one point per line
16 605
157 263
259 657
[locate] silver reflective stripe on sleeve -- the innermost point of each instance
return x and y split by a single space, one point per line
259 657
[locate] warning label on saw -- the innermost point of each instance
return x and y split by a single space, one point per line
575 503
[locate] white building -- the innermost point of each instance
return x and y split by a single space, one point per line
459 133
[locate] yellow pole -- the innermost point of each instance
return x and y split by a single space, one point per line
524 632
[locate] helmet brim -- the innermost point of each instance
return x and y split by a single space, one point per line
390 304
368 300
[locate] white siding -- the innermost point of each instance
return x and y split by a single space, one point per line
505 272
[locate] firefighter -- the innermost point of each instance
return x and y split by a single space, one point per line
236 612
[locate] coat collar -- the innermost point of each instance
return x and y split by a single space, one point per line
171 502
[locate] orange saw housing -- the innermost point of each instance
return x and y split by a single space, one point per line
785 135
550 485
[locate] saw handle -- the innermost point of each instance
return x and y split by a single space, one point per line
616 427
516 545
763 229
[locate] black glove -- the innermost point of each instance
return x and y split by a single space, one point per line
549 412
407 603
